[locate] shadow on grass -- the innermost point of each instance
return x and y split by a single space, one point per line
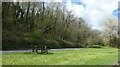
44 53
39 53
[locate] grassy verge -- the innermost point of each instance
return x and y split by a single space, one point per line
88 56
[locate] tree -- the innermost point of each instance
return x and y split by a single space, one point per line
29 23
111 31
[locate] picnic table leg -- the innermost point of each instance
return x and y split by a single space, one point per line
42 51
32 50
47 51
36 51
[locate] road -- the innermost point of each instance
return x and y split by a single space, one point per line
18 51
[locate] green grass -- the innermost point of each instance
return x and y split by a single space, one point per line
88 56
0 59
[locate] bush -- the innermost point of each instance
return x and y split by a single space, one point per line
65 44
51 43
78 45
95 46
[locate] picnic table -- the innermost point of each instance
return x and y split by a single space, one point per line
42 48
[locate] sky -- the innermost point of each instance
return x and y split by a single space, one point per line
93 12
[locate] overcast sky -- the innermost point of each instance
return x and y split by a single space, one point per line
93 11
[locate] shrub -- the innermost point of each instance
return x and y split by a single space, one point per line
95 46
51 43
65 44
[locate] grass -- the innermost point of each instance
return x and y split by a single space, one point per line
88 56
0 59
